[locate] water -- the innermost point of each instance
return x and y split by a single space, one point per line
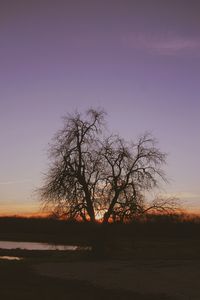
11 257
39 246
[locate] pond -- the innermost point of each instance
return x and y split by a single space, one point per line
38 246
13 245
11 257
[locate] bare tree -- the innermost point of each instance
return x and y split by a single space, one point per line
91 175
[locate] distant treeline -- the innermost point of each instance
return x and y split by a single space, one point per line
48 229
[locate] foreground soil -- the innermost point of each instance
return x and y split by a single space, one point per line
20 282
162 279
150 261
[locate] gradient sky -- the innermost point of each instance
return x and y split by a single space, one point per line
139 60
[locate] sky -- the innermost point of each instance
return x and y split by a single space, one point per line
139 60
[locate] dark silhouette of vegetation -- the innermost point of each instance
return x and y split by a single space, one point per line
94 176
178 234
55 230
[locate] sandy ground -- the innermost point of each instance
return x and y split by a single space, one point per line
178 279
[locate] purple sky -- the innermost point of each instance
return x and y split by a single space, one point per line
139 60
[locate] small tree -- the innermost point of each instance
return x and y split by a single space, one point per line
92 176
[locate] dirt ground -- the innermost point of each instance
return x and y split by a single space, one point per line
177 279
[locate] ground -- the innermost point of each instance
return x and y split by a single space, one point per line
149 268
171 279
20 282
151 261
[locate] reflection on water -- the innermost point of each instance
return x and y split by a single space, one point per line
11 257
38 246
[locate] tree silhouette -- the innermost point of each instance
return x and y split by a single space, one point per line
92 175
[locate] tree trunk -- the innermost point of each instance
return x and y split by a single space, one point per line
99 241
110 209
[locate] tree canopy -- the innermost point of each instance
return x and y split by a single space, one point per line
94 174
